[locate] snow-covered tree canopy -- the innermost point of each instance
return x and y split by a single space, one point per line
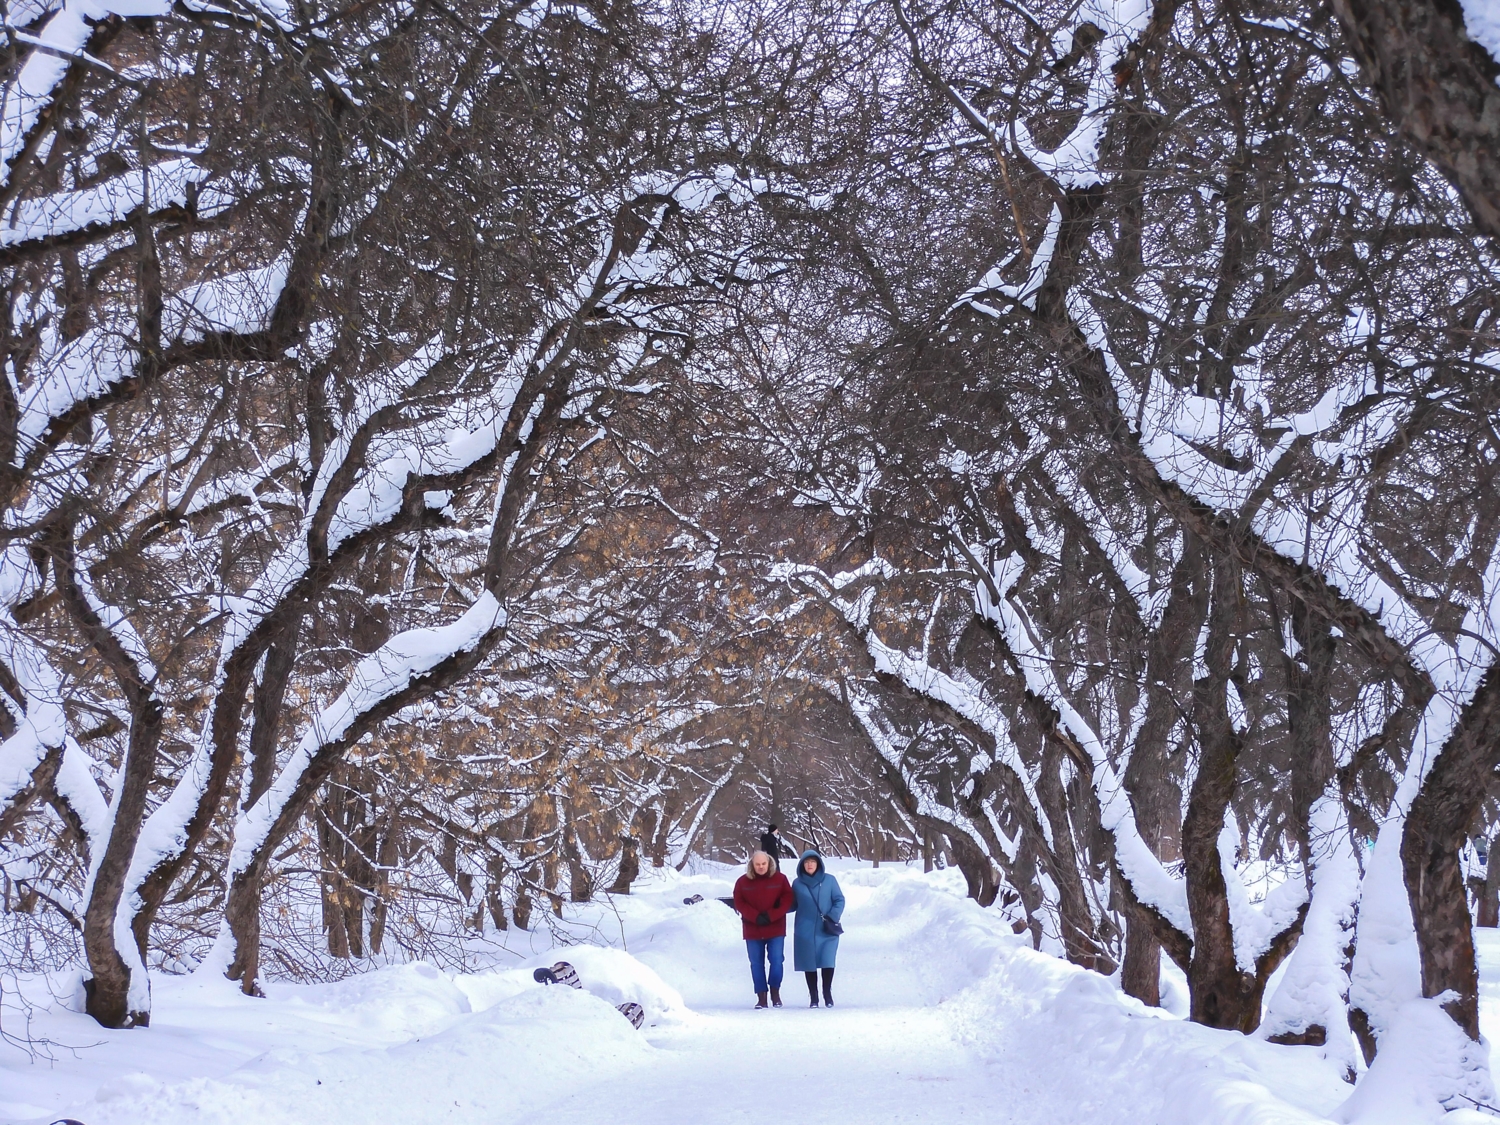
452 453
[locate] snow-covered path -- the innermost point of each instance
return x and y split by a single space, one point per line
884 1053
854 1065
943 1017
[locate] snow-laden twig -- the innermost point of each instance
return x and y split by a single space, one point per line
865 708
684 845
62 40
1114 546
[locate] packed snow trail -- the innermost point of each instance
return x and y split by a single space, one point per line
894 1065
942 1017
881 1054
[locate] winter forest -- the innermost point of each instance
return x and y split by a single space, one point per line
464 465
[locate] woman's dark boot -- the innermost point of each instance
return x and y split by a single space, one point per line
760 1001
775 997
812 988
828 988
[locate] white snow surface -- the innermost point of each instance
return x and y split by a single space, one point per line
943 1016
1482 22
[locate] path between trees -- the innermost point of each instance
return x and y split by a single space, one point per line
942 1017
882 1054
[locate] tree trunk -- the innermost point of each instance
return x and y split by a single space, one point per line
1080 941
110 999
521 910
381 890
1221 994
978 871
330 848
580 881
242 916
630 866
495 901
1140 975
1154 797
114 995
1436 829
663 832
1438 87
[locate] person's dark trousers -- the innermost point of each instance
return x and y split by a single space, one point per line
812 986
761 950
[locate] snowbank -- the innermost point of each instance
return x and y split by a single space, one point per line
1423 1057
943 1015
408 1043
395 1003
1064 1027
618 978
491 1066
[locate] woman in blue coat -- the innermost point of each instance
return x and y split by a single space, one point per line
813 947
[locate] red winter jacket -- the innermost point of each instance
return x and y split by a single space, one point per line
771 893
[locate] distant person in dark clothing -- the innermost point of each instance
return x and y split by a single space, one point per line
774 846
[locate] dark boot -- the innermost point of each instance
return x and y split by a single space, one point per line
760 1001
828 988
812 988
775 997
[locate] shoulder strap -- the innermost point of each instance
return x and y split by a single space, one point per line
812 890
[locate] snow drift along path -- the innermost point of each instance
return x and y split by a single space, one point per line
942 1017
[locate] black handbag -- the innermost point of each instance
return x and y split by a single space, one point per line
830 925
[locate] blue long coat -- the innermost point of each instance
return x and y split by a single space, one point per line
816 895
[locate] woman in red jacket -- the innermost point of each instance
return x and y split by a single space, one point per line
763 896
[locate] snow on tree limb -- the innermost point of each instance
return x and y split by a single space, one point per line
864 708
1149 880
1314 989
52 217
61 41
389 670
42 725
1386 973
684 845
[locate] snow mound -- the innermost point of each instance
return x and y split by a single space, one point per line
1424 1056
488 1066
400 1001
1065 1028
954 942
618 978
487 988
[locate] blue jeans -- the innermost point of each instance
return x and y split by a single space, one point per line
760 949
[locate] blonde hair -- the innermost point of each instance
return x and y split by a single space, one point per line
771 867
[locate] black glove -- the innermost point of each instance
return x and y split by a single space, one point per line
762 919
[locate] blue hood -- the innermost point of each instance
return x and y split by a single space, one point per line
817 875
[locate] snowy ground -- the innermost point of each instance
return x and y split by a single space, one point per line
942 1017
